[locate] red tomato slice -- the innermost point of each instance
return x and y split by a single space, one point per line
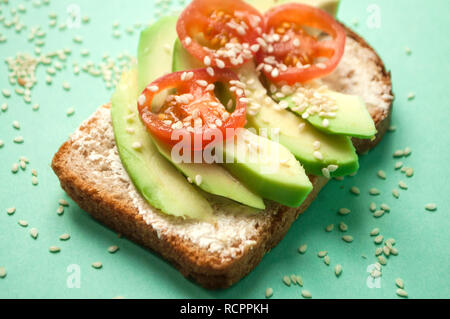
220 33
193 109
290 54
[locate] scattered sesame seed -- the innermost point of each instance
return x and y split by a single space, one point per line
97 265
378 213
386 251
198 180
302 249
70 111
343 227
326 260
329 228
15 168
54 249
16 125
385 207
402 185
34 172
373 207
394 251
409 172
63 202
395 193
60 210
66 86
399 153
6 93
34 233
337 270
2 272
411 96
399 282
113 249
322 253
23 223
1 143
408 51
306 294
431 207
378 251
11 210
382 260
34 180
344 211
347 238
355 190
381 174
269 292
378 240
18 140
64 237
402 293
136 145
287 281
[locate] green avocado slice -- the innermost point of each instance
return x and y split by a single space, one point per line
286 184
352 117
153 176
273 170
297 134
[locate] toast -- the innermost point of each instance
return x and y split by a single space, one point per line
214 255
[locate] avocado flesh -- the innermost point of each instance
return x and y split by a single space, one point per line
331 6
154 177
289 188
352 117
215 180
273 170
335 149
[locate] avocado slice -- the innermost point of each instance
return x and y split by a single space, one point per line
286 184
352 117
331 6
152 175
273 170
215 180
297 134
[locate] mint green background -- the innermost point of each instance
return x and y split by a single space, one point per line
133 272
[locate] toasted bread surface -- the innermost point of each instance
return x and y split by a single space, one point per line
214 255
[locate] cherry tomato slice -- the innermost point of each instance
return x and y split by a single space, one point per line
194 109
291 54
220 33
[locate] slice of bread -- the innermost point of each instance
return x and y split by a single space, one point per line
214 255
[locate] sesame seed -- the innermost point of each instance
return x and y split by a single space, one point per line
343 227
318 155
97 265
302 249
207 61
187 41
326 260
287 280
408 51
409 172
322 253
11 210
344 211
374 191
385 207
386 251
269 292
6 93
15 168
34 233
378 251
373 207
399 282
326 173
395 193
198 180
378 239
34 180
18 140
113 249
329 228
337 270
306 294
402 185
23 223
2 272
398 165
407 151
394 251
220 64
382 260
431 207
381 174
141 99
63 202
64 237
153 88
355 190
399 153
60 210
136 145
347 238
402 293
411 96
70 111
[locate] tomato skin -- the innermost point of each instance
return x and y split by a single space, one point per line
164 132
310 17
195 21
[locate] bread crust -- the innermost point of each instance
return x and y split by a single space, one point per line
206 268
